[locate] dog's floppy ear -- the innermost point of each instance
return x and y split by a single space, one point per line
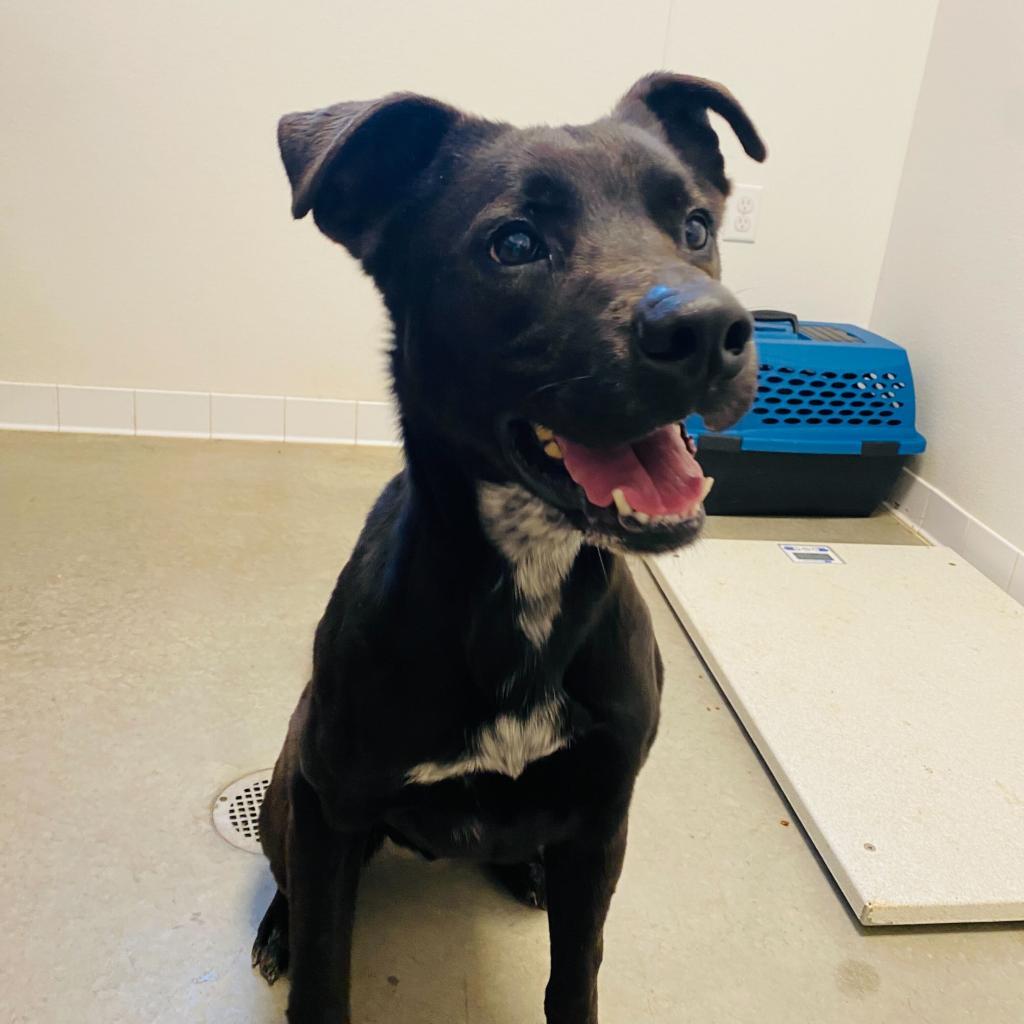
679 105
352 163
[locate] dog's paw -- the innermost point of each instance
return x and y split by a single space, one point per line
526 882
270 955
270 950
535 891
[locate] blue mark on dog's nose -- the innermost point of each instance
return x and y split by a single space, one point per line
659 302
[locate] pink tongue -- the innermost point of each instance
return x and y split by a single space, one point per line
657 474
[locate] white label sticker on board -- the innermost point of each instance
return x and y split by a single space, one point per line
811 554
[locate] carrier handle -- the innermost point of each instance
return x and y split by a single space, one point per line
776 316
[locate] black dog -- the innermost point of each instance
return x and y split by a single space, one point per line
485 681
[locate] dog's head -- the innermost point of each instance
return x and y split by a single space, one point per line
554 291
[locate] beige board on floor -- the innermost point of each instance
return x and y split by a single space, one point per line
885 692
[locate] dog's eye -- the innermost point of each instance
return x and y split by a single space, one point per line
697 232
517 243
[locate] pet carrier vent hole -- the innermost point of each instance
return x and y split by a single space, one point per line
236 812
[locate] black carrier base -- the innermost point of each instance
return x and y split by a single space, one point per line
791 484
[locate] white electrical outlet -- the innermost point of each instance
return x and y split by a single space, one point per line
741 213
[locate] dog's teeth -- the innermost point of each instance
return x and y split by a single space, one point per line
544 433
621 504
642 518
705 490
552 450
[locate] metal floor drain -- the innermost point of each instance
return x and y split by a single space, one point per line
236 812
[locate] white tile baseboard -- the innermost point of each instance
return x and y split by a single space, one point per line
247 417
96 410
172 414
197 414
320 420
990 553
939 519
377 423
28 407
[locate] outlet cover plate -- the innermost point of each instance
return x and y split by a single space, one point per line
742 212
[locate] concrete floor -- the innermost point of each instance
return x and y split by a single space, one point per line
158 601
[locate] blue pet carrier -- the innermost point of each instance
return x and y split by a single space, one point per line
829 430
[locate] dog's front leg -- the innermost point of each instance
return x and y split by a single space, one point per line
581 878
323 877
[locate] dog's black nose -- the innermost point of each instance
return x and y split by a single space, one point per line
702 321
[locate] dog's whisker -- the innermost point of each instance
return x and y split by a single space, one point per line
558 384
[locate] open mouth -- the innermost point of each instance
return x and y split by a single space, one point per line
647 494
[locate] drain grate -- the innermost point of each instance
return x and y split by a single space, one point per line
236 812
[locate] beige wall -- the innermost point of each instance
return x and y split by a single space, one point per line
144 234
951 285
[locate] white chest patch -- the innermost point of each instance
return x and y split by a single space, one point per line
506 746
540 545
